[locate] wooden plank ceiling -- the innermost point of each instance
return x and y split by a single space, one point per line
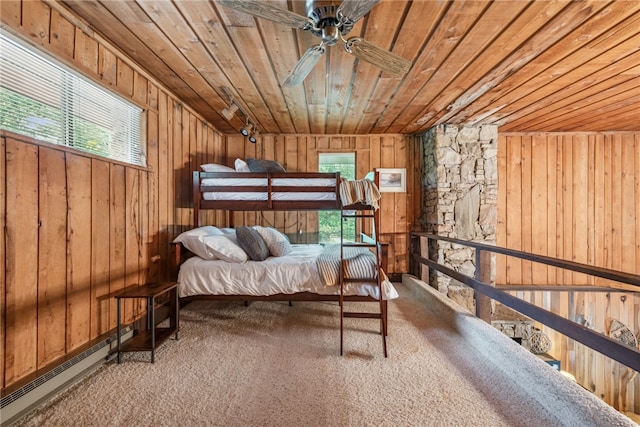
523 65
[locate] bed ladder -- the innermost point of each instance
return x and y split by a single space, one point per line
368 213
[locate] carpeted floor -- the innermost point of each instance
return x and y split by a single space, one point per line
270 364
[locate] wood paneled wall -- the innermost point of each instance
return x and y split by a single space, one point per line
299 153
80 228
575 197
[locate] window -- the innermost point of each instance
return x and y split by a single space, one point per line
43 99
329 221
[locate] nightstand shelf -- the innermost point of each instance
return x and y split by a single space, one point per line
149 339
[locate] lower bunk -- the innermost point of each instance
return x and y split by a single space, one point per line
297 272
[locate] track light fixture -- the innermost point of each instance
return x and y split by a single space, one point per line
247 129
250 129
252 137
230 111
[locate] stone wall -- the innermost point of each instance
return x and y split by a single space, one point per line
460 199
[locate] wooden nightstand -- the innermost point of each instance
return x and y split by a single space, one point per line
152 337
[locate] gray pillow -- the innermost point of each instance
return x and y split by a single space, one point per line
259 165
252 243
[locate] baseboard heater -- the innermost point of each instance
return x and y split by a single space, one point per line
25 399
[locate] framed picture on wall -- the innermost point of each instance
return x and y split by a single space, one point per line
393 180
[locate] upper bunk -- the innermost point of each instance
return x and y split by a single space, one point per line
281 191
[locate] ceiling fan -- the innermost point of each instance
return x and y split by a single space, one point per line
331 22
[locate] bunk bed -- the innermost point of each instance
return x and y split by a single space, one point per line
310 272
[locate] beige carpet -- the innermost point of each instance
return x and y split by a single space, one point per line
274 365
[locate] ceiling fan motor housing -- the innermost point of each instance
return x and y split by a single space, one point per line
328 26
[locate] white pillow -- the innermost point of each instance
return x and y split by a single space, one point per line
277 242
224 247
191 239
241 166
196 245
213 167
207 230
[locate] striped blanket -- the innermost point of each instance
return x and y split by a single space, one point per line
360 264
359 191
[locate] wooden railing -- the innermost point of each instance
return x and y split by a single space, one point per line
485 292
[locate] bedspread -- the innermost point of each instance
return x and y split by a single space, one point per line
292 273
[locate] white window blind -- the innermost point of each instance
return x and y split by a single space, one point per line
45 100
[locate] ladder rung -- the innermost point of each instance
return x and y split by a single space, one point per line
361 280
362 315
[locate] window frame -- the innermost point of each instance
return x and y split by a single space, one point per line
75 128
332 213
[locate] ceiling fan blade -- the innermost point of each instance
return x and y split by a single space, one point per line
387 61
352 10
264 10
304 66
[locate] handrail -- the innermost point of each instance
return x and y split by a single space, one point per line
618 276
599 342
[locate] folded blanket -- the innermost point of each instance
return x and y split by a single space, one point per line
362 191
360 263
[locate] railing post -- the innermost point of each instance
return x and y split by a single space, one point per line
424 253
483 274
414 263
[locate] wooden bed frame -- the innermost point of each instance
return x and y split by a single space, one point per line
199 203
181 254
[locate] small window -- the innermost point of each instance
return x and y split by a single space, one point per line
329 221
43 99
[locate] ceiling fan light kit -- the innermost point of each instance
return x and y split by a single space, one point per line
331 22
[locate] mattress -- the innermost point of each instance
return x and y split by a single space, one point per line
250 195
289 274
283 182
262 195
